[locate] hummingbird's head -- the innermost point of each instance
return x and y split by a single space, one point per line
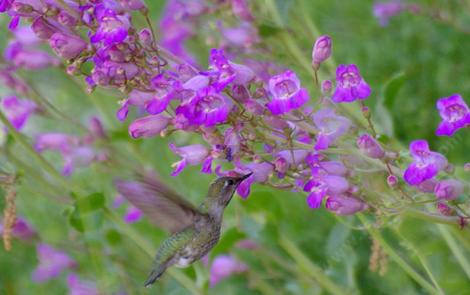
223 188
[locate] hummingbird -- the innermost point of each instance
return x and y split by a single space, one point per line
194 231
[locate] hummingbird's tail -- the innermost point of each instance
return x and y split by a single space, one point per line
153 276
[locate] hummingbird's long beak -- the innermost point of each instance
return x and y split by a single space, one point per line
245 177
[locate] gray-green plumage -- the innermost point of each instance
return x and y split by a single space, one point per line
194 231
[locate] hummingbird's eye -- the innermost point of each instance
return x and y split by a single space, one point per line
230 182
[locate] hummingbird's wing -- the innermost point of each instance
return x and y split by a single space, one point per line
162 206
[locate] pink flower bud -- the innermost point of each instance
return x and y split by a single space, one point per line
444 209
326 86
369 146
67 46
148 126
392 180
448 189
321 50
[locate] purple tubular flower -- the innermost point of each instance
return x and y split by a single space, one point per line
286 93
369 146
350 85
165 90
148 126
228 72
51 263
321 50
331 127
426 164
42 28
223 267
448 189
79 287
135 98
17 111
191 155
67 46
345 205
27 58
455 114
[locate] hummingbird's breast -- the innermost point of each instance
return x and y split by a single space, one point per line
206 237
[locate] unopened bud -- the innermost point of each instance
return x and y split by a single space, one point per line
365 112
321 51
369 146
392 180
444 209
326 86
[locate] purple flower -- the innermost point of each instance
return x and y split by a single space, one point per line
261 172
17 111
113 28
317 191
191 155
384 11
345 205
207 108
448 189
426 164
321 50
228 72
223 267
133 214
79 287
21 230
67 46
81 156
42 28
54 141
331 127
51 263
241 9
27 58
135 98
148 126
165 89
455 114
286 93
369 146
350 85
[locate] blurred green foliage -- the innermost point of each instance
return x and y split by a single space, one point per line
420 61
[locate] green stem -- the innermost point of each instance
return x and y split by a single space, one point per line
304 263
420 214
454 247
397 258
422 260
29 149
149 250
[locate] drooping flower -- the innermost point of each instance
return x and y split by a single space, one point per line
455 114
54 141
261 172
426 163
223 267
148 126
448 189
67 46
286 93
227 72
79 287
191 155
51 263
321 50
369 146
331 127
350 85
345 205
17 111
317 191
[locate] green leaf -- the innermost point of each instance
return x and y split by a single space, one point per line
90 203
267 30
113 237
76 221
391 88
